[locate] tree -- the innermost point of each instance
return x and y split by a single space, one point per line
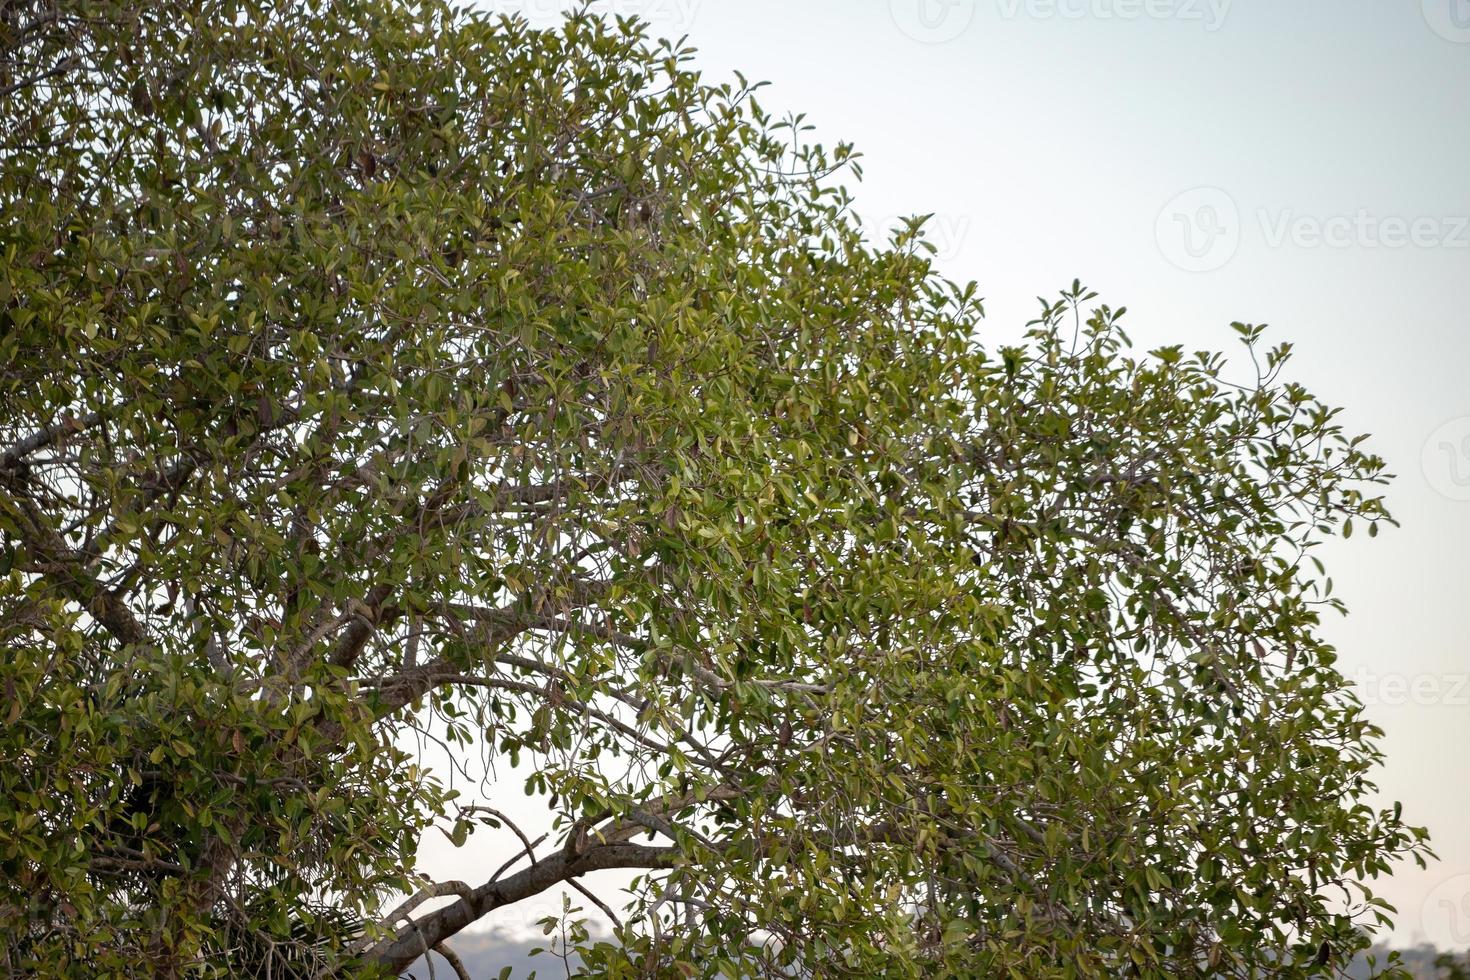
1451 967
368 367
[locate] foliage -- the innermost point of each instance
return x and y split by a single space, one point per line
368 366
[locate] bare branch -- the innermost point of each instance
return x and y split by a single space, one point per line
588 894
438 889
45 436
452 958
527 846
366 617
408 944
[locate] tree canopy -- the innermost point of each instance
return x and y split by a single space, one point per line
368 367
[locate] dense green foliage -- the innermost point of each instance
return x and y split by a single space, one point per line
368 366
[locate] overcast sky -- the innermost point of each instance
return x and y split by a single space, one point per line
1304 164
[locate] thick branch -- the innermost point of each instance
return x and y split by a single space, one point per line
65 567
45 436
515 619
410 942
365 620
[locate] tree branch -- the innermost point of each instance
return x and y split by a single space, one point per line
65 567
455 963
510 622
396 952
45 436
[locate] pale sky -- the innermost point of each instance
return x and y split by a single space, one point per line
1304 164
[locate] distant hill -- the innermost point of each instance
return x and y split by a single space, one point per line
1419 961
486 954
